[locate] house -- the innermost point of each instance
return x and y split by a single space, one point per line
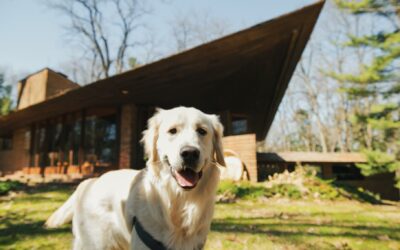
338 166
60 127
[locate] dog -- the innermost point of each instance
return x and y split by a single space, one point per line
234 168
167 205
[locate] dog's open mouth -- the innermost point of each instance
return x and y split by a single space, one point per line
187 178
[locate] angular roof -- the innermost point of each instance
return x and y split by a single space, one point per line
246 72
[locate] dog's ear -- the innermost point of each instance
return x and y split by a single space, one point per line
217 140
150 136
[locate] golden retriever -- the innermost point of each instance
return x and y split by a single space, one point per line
171 200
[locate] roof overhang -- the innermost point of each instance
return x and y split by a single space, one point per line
246 72
311 157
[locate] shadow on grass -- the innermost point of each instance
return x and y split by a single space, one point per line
38 199
352 192
16 231
22 223
292 229
49 187
7 186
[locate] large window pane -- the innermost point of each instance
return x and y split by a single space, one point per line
70 142
101 140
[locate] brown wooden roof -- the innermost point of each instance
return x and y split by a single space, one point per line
311 157
246 72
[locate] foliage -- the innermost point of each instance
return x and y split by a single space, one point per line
5 97
133 62
244 190
7 186
251 191
300 184
376 87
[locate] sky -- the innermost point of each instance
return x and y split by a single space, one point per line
33 36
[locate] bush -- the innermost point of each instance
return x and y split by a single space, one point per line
300 184
7 186
284 190
242 190
229 190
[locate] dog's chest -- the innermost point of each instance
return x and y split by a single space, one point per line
185 218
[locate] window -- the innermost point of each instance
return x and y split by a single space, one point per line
67 140
56 142
27 140
39 147
347 172
101 138
72 140
6 143
239 124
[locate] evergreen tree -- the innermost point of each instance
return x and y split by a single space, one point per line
376 87
5 97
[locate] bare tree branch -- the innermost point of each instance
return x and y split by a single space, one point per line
93 23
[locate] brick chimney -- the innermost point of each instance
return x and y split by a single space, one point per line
41 86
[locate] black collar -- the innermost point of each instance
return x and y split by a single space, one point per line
146 238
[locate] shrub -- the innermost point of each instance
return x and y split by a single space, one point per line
229 190
243 190
300 184
7 186
284 190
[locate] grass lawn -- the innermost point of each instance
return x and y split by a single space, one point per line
247 224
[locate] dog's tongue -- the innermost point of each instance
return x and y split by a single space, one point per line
187 178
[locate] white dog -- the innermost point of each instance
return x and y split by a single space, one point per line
167 205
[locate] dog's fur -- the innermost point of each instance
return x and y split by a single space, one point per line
102 209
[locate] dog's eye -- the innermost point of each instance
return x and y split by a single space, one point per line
172 131
201 131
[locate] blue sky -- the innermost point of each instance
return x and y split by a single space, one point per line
32 35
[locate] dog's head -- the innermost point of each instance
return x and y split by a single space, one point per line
186 141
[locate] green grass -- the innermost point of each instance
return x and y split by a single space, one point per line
246 224
22 217
286 224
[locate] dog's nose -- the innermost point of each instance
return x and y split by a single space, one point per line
190 155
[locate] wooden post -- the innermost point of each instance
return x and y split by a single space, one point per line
327 171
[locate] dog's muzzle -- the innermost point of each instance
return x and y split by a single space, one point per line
187 178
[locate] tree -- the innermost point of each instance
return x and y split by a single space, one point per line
376 86
5 97
196 28
105 30
329 111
